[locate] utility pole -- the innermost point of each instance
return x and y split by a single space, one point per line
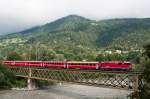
37 51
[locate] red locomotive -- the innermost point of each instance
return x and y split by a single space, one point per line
106 65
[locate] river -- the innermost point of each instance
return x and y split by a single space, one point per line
66 91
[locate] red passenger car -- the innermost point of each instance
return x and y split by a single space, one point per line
54 64
82 65
33 63
23 63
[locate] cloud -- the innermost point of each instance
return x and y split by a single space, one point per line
16 15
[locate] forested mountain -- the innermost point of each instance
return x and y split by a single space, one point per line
75 30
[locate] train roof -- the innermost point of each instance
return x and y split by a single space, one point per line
21 61
75 61
36 61
115 62
81 62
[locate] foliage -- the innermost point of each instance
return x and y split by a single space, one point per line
73 30
113 57
147 51
8 80
13 56
144 88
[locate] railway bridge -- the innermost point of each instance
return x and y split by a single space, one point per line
110 79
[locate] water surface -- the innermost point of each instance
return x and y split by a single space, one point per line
66 91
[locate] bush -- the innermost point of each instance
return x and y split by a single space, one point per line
6 77
8 80
144 88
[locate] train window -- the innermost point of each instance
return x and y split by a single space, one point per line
127 63
119 63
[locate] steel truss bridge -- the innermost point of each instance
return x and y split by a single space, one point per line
110 79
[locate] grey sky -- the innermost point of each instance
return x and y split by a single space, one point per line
16 15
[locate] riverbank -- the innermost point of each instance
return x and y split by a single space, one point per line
66 91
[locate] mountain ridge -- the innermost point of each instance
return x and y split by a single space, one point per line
73 29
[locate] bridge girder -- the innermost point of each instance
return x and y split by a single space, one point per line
121 80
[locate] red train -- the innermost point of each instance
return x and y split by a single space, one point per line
106 65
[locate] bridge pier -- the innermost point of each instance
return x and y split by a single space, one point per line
136 84
30 82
